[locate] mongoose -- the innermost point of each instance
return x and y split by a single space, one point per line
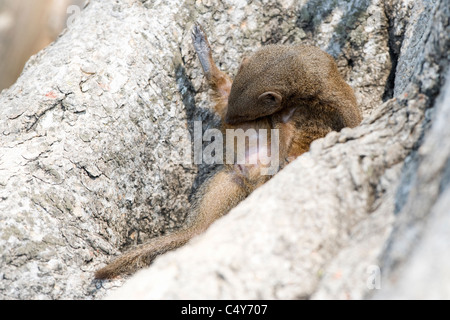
295 89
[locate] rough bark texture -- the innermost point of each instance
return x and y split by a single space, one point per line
87 160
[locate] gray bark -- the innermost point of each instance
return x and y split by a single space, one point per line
87 161
85 134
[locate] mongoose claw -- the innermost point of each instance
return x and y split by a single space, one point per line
200 40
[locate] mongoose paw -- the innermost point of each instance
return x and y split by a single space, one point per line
200 40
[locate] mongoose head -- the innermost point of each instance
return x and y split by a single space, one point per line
264 83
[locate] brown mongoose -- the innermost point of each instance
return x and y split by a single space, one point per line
294 89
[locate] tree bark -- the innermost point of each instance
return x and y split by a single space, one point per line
362 215
85 134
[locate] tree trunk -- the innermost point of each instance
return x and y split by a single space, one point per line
85 137
87 159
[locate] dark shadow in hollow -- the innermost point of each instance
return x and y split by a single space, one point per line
341 33
207 118
310 23
395 43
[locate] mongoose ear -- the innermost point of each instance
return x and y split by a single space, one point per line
270 100
244 62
